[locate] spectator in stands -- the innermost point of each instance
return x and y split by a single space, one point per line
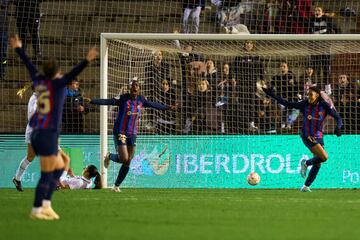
3 37
228 99
192 68
288 88
212 75
267 24
227 85
156 71
220 14
230 13
166 120
283 19
74 109
194 71
193 8
267 116
322 24
307 80
28 23
187 59
293 16
191 64
207 118
302 12
249 69
346 100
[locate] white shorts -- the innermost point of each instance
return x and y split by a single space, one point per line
28 133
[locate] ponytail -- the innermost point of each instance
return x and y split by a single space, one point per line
97 181
93 172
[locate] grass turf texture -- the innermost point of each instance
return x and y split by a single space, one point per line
186 214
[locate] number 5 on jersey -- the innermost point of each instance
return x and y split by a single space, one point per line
43 103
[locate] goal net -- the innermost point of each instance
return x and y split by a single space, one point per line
225 127
67 29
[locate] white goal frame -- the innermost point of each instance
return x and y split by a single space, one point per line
104 37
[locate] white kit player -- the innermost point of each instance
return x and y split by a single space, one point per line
70 181
30 154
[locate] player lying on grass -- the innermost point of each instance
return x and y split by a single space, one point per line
50 88
315 110
70 181
125 127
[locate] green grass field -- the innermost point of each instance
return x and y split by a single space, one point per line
186 214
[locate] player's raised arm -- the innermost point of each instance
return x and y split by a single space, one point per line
68 77
332 112
155 105
16 44
159 106
111 101
270 92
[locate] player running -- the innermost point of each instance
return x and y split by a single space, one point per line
125 127
315 110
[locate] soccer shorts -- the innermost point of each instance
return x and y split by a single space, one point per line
44 142
310 142
123 140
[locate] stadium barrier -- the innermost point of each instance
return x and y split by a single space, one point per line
170 163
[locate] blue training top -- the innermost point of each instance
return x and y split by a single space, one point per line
129 109
51 94
313 115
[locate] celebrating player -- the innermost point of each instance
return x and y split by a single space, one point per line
50 89
30 154
81 182
314 110
125 127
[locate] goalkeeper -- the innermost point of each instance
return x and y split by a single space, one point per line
125 127
315 110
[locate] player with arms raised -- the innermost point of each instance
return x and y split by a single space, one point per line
50 89
125 127
315 110
30 154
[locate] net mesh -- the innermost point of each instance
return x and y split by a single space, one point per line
218 83
225 124
66 29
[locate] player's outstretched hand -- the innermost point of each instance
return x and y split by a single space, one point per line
86 100
337 131
268 90
92 54
15 42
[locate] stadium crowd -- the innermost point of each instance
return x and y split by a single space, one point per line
218 97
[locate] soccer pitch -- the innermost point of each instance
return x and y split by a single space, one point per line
185 214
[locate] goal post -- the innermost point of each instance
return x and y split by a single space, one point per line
103 109
235 112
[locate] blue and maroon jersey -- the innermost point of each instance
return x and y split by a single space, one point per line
129 110
51 94
313 115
